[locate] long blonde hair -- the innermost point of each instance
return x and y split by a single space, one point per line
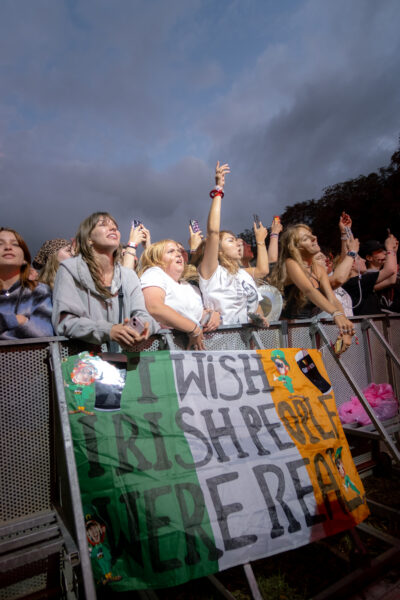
289 249
48 273
84 248
152 257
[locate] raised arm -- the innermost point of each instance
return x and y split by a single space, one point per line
137 235
342 272
262 265
388 273
346 234
273 251
209 263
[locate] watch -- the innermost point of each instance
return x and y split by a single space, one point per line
352 253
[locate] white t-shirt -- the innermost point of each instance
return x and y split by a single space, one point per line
345 300
182 297
232 295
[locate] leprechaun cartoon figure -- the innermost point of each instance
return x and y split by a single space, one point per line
282 366
342 472
83 376
99 550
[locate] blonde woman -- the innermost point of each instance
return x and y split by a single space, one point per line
95 297
171 300
304 283
226 286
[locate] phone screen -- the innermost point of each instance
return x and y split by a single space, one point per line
194 225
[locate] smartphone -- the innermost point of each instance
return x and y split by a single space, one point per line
136 223
194 224
136 324
257 220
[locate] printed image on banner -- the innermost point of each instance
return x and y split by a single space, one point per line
194 462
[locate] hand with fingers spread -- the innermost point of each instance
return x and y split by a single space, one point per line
220 172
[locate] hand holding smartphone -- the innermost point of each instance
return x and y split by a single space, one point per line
194 224
137 325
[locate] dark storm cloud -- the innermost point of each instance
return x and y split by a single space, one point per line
126 106
319 109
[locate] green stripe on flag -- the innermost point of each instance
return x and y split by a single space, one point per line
145 511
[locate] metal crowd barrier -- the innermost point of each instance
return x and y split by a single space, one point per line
43 549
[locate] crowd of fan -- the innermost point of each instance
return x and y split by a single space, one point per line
96 290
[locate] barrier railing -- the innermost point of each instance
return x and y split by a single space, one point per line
40 492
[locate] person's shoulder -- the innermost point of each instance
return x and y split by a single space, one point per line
42 289
70 265
128 274
370 276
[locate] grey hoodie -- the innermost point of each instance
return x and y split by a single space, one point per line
89 316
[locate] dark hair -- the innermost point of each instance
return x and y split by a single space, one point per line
25 269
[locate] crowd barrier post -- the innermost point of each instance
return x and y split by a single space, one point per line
75 507
317 328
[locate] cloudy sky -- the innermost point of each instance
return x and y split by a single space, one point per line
126 105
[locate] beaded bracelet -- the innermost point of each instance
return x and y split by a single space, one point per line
216 192
274 235
131 253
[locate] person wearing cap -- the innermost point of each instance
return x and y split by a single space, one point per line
374 253
364 284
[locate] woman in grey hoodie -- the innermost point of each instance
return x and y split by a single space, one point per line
95 297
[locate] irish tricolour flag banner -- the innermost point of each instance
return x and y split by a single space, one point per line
193 462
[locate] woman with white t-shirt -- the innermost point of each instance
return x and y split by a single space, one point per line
171 300
225 286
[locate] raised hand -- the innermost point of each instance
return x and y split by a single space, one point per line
195 239
220 172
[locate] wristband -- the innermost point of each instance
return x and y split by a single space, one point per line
390 252
132 245
274 235
197 334
344 237
216 192
260 243
131 253
193 330
337 313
